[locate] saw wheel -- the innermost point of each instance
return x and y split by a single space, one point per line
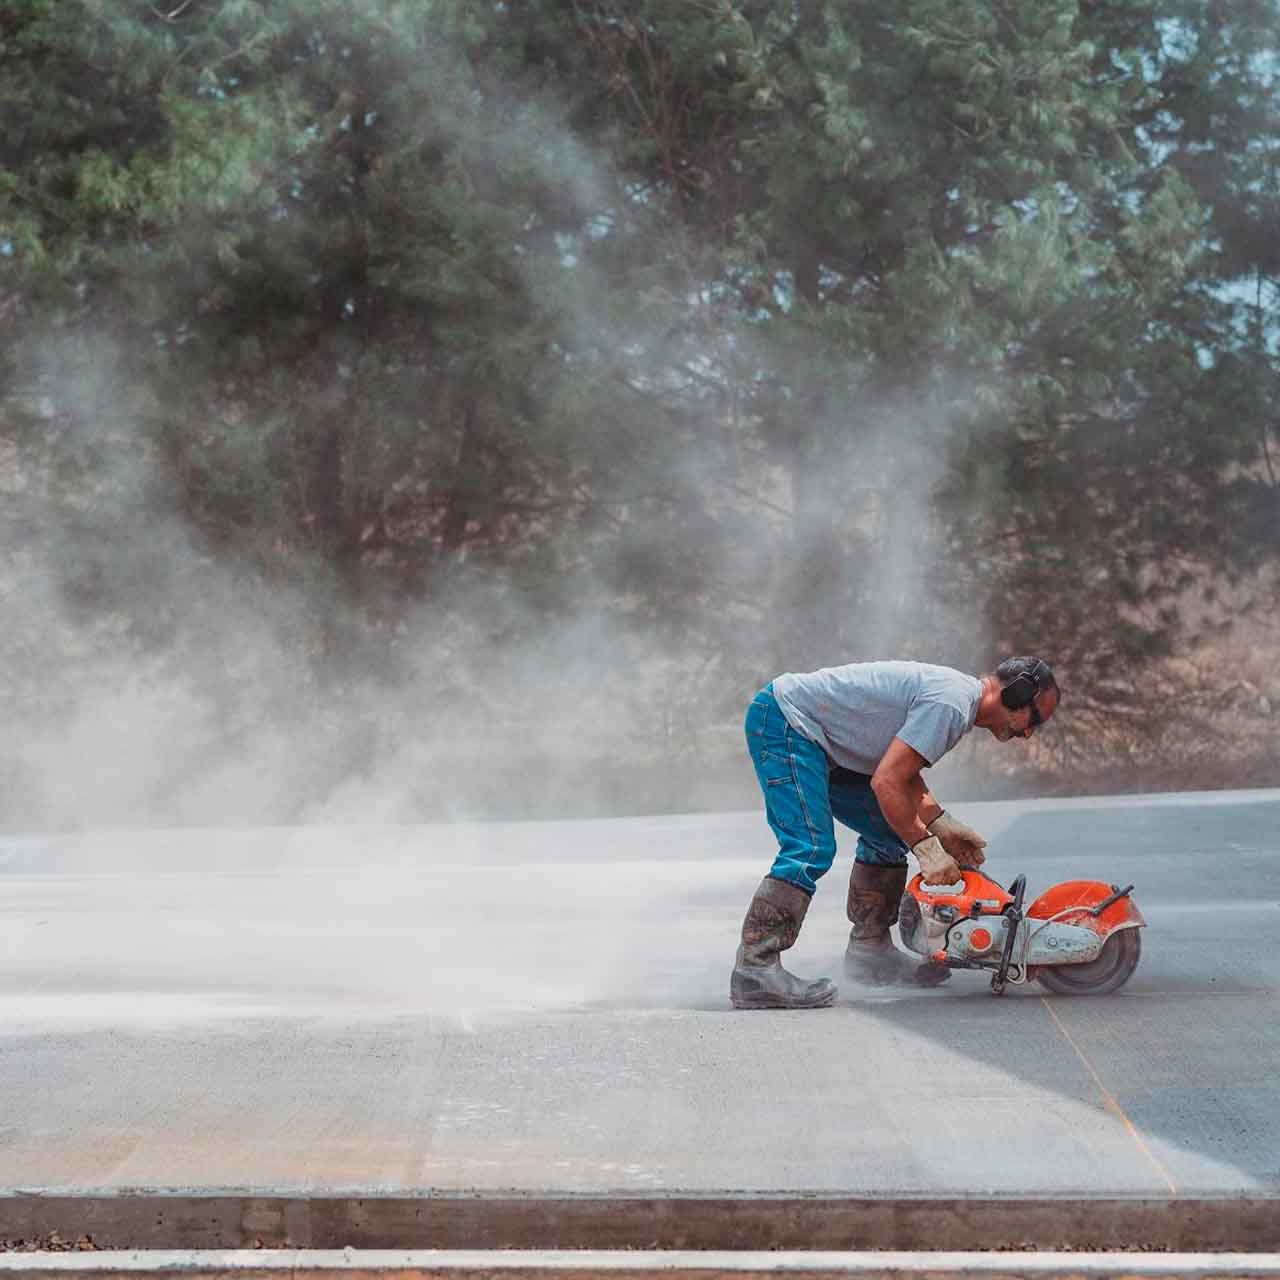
1109 972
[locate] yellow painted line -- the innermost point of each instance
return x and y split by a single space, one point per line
1112 1103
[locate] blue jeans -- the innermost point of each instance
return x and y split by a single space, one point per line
804 793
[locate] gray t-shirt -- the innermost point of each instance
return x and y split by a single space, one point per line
854 712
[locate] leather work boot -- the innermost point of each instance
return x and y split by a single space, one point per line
871 957
772 925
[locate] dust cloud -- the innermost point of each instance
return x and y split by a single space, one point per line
153 678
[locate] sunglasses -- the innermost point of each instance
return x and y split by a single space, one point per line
1036 718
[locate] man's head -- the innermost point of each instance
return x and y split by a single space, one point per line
1019 698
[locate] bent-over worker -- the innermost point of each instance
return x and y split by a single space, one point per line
850 743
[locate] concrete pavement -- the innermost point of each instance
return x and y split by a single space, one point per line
543 1007
481 1265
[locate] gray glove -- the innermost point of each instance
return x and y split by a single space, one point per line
936 864
963 843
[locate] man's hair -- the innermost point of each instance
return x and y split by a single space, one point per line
1037 668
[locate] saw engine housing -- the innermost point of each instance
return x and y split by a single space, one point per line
1079 936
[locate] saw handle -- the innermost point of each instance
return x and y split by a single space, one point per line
1099 907
1013 917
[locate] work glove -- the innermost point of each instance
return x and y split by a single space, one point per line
963 843
936 864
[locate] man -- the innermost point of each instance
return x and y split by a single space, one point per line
849 743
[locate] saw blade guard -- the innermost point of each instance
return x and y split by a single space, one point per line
1075 902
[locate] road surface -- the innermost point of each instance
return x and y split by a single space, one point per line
543 1006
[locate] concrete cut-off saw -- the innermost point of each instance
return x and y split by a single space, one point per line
1077 938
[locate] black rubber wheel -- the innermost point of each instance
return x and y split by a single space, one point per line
1109 972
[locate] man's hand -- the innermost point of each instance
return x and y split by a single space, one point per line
963 843
936 864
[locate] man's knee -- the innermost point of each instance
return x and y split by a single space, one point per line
803 863
881 853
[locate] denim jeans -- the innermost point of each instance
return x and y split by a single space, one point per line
805 793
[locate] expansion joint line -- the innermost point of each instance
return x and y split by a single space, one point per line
1112 1103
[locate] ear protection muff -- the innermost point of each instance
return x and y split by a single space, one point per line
1022 689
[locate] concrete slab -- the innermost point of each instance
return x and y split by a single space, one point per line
544 1006
424 1265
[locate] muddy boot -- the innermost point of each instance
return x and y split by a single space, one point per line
772 925
871 957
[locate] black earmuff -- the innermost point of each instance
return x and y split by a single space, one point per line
1022 689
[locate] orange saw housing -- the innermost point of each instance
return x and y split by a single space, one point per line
981 896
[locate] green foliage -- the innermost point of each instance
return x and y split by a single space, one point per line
741 310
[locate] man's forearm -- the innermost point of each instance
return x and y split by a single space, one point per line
929 809
902 807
